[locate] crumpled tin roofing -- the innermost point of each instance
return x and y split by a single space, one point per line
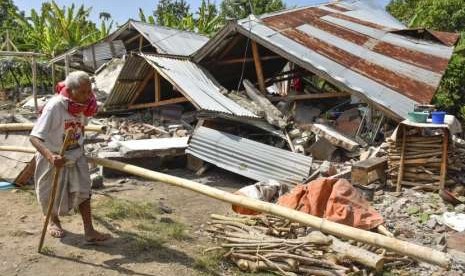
129 79
248 158
195 84
170 41
359 48
189 78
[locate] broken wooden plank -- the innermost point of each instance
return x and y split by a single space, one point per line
160 103
272 114
258 67
312 96
334 137
151 147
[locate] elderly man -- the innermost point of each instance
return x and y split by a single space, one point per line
68 110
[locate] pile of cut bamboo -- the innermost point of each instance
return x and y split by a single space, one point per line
422 161
268 243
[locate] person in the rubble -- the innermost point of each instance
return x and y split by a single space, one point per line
68 109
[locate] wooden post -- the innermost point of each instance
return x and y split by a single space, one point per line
402 157
445 145
66 65
258 67
140 88
141 41
34 83
157 87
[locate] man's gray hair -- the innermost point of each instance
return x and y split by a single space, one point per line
74 80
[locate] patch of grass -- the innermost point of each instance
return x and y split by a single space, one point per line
124 209
209 263
139 226
174 230
48 250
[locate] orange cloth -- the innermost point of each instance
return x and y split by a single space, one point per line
334 199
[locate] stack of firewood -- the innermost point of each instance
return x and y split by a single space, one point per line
422 162
267 243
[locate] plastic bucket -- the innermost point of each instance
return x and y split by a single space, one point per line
417 117
438 117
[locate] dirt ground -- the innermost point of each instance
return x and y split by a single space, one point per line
157 230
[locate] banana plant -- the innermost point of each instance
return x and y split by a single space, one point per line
56 29
208 21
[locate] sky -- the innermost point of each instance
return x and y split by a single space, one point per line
122 10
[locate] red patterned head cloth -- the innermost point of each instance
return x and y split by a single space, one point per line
89 108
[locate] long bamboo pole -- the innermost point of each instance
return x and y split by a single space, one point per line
28 126
332 228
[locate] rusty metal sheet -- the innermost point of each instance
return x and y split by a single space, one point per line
301 17
425 61
365 42
362 22
409 87
448 39
337 7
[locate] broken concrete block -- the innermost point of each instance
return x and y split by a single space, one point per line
182 132
334 137
327 169
153 147
322 149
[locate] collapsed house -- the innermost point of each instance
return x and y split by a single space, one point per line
133 36
360 50
322 79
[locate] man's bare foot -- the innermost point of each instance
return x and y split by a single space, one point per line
93 236
54 228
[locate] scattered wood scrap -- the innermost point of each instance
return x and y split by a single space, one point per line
268 243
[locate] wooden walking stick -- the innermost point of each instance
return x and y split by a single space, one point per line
54 189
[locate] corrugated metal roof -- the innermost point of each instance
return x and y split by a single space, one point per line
131 76
102 52
170 41
248 158
359 48
196 84
189 78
